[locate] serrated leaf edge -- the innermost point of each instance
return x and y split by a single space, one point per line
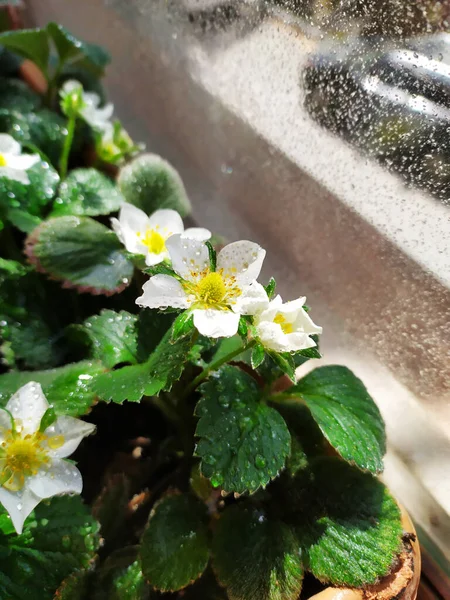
30 242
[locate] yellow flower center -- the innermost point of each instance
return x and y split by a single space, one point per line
3 162
22 457
211 290
154 241
281 321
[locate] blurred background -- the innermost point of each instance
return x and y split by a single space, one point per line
320 129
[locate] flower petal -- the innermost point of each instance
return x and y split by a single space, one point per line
271 336
28 405
197 233
298 341
19 505
115 224
73 430
166 222
91 99
98 118
252 300
15 175
8 145
22 162
216 323
270 312
152 259
61 477
304 323
242 260
70 85
132 220
189 257
161 291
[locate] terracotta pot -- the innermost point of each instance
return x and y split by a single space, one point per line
401 584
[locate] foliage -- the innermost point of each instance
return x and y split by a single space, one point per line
203 476
60 537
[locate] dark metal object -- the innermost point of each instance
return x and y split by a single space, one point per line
393 103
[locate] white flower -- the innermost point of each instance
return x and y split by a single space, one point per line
13 164
98 118
141 234
217 299
285 327
31 461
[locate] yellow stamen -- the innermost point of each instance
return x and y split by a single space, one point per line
285 326
3 162
153 240
22 457
211 290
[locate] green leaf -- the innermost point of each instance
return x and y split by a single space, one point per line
22 220
32 320
175 548
346 414
120 577
182 326
43 129
90 56
212 257
127 383
270 288
16 95
150 183
29 43
347 523
256 557
87 192
243 442
151 327
32 342
66 388
58 538
258 354
228 345
75 587
81 252
162 369
21 203
160 269
48 419
113 336
285 363
275 365
12 267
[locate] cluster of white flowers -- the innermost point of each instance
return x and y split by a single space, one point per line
217 295
218 290
32 465
98 117
14 164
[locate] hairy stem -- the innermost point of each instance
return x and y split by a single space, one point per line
216 365
63 162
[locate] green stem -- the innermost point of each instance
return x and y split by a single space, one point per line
216 365
67 146
282 397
